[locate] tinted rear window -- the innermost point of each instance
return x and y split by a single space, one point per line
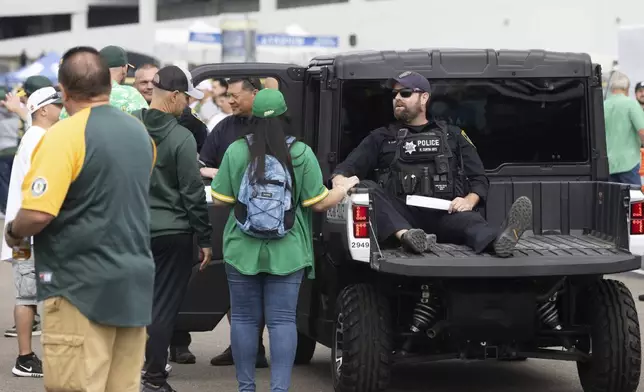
534 121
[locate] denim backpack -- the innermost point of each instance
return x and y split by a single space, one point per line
265 208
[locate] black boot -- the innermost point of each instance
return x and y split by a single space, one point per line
414 240
518 221
182 355
226 358
223 359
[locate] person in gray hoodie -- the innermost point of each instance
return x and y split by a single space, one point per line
178 213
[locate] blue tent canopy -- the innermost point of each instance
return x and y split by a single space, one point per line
46 66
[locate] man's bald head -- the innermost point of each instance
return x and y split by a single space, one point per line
84 75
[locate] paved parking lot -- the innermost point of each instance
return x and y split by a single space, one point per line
454 376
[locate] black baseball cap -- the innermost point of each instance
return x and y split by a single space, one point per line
412 80
173 78
639 85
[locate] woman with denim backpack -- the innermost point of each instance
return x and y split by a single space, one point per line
274 184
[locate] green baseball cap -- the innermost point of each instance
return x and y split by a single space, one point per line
115 56
32 84
269 103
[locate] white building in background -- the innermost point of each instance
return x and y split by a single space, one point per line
572 25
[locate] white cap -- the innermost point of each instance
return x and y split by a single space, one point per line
205 85
42 97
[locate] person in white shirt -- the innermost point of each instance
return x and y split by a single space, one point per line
16 103
225 110
44 106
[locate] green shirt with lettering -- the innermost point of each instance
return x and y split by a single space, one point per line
624 118
284 256
124 97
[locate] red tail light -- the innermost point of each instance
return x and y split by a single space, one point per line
637 218
361 230
361 221
360 213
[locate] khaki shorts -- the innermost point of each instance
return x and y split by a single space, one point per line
24 278
80 355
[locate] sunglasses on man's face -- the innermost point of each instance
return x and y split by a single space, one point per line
405 93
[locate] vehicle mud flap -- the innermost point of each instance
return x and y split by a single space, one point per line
207 300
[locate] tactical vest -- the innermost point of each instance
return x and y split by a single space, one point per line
425 165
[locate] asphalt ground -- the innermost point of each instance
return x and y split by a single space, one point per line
452 376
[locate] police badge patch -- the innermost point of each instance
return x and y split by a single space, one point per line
409 147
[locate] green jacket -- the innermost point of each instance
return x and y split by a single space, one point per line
177 197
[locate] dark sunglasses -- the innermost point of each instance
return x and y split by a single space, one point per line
404 92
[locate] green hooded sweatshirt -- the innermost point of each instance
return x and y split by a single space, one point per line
177 197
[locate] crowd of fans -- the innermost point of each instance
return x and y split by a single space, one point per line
104 182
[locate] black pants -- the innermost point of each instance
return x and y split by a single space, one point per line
180 339
461 228
173 257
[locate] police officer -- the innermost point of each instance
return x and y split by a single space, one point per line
416 157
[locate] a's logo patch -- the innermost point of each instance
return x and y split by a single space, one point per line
38 187
409 147
466 137
404 74
269 112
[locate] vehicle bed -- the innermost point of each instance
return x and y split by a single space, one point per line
535 255
579 228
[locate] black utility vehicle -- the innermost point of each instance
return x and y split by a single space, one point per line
536 119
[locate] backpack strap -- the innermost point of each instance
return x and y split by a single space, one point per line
249 139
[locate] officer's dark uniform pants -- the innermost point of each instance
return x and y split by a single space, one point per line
461 228
173 270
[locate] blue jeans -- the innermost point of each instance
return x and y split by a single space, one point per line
276 297
630 177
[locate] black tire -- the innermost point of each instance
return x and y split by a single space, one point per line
305 349
363 317
615 340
